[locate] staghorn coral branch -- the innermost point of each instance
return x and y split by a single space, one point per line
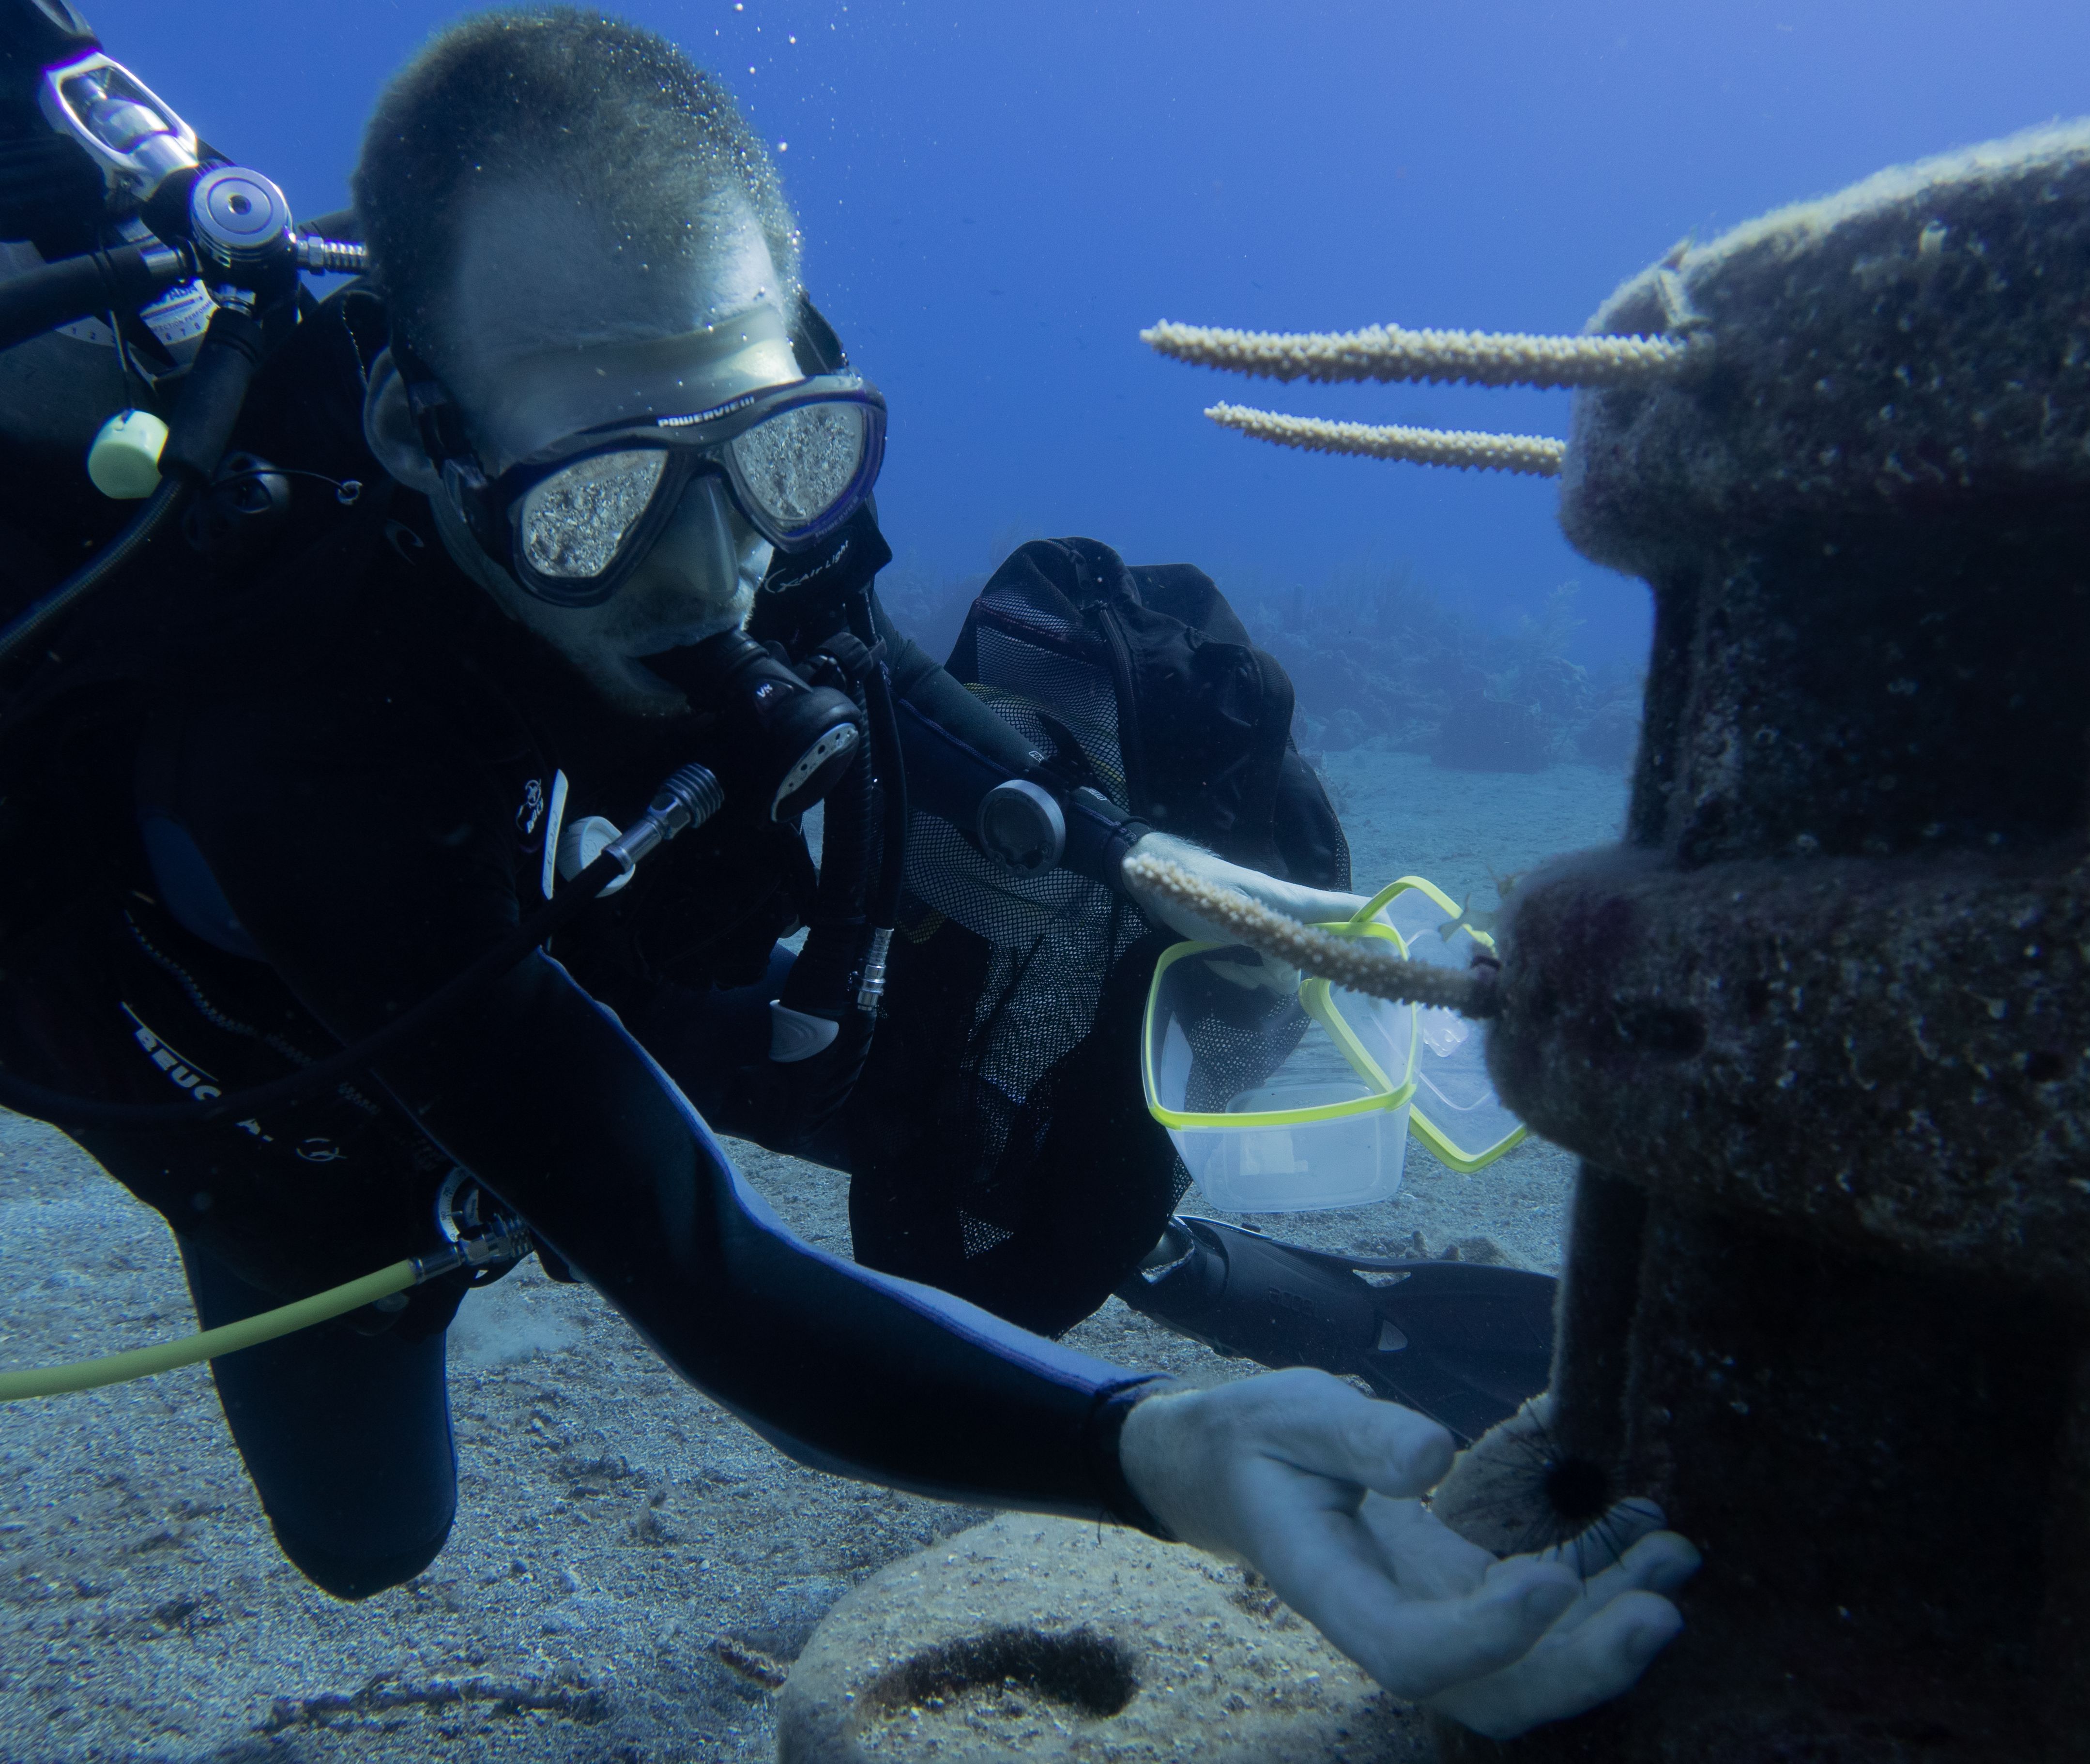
1387 352
1359 963
1535 454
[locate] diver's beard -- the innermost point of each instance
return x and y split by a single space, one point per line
604 643
605 658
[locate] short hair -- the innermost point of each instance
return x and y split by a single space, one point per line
614 113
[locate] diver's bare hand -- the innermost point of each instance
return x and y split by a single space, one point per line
1298 1476
1311 906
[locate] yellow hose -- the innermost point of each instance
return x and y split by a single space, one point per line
142 1363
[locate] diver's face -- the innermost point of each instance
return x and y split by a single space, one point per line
518 290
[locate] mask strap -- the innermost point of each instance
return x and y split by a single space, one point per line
818 350
436 418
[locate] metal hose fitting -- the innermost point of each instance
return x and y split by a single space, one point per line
690 797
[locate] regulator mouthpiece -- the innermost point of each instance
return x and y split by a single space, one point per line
786 742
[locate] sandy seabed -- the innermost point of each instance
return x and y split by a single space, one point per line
626 1554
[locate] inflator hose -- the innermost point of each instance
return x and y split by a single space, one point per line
884 718
163 508
85 286
211 397
249 1331
62 1110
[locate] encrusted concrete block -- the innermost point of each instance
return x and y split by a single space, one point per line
1821 1029
1920 335
1038 1639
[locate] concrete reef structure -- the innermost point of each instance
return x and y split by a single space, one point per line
1821 1028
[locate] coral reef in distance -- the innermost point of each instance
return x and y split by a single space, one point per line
1377 657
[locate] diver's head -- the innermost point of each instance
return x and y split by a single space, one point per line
593 279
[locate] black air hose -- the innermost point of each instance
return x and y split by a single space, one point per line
93 283
823 979
884 716
203 421
892 777
160 510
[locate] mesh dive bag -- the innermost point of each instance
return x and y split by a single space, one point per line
1000 1146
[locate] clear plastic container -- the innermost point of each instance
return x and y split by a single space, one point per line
1278 1099
1457 1112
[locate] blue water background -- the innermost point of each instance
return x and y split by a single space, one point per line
997 197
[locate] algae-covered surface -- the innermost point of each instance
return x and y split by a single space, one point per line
630 1567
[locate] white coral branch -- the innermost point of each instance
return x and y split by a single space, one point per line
1361 964
1536 455
1387 352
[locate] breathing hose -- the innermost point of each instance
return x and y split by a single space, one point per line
161 508
80 287
216 386
892 774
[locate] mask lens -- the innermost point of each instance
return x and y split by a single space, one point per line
572 523
798 465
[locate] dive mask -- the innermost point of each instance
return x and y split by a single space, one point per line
570 478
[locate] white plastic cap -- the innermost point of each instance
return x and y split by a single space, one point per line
124 460
585 842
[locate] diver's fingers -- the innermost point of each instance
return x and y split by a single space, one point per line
1313 906
1567 1673
1659 1563
1316 1422
1214 1465
1425 1555
1603 1544
1325 905
1279 977
1419 1647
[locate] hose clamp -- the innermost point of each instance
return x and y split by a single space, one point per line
872 988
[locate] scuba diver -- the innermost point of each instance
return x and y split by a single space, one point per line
571 496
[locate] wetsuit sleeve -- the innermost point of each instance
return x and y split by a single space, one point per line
368 873
956 750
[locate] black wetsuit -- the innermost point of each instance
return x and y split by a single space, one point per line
333 815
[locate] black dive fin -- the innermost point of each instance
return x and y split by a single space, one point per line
1463 1342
